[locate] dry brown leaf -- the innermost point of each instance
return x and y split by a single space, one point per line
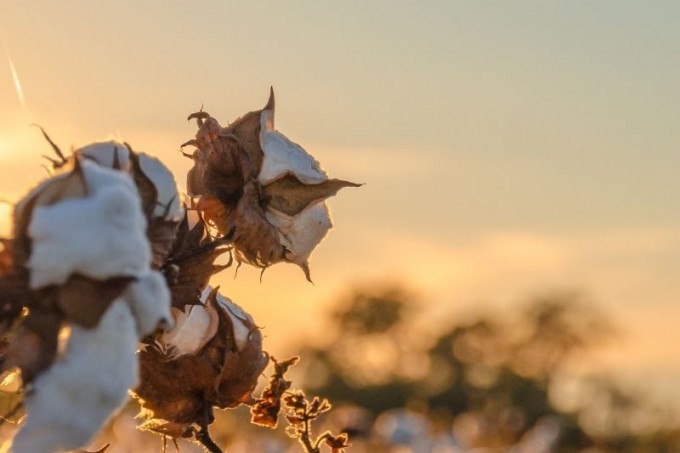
266 411
291 196
84 300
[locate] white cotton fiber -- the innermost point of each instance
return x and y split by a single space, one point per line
302 233
100 236
238 318
164 181
194 327
104 154
73 399
282 156
149 300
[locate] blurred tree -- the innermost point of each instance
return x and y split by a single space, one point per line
493 373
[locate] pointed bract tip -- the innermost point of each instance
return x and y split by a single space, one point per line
305 268
270 102
54 146
116 165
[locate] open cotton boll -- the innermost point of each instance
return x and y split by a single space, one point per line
149 300
239 318
73 399
168 203
194 327
100 237
109 154
282 156
302 233
98 177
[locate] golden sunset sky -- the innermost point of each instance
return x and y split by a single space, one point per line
508 148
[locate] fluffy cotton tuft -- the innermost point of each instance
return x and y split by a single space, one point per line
107 153
74 398
302 233
194 327
282 156
168 204
149 300
238 317
100 236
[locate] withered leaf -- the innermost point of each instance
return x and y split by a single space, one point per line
290 196
266 411
84 300
337 443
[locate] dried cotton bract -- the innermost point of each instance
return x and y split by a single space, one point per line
251 177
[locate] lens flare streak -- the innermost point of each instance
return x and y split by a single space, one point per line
15 79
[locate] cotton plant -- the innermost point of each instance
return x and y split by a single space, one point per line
105 284
81 271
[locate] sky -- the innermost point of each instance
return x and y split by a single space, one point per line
509 149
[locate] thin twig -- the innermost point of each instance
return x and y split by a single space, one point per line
203 435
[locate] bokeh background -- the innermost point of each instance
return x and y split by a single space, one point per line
512 151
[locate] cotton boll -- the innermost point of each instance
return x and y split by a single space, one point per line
168 203
100 236
149 300
21 205
109 154
239 321
98 177
194 327
302 233
282 156
73 399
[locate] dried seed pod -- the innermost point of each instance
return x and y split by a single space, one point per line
251 177
212 357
